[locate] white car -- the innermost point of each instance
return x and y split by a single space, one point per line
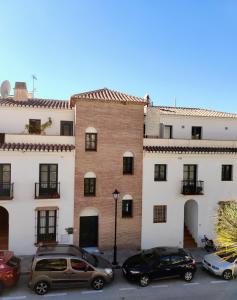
221 264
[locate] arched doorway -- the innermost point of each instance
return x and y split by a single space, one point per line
4 228
190 224
89 227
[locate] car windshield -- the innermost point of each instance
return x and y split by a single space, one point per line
13 261
228 256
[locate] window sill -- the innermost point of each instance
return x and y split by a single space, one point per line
46 243
47 197
6 198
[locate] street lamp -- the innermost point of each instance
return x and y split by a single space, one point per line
116 196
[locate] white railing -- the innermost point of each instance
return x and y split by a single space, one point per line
188 143
39 139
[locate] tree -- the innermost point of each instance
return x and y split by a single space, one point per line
226 227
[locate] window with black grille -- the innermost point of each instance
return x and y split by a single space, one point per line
89 186
227 172
91 142
66 128
159 214
128 165
160 172
127 208
46 225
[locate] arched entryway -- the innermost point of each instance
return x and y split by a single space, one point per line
89 227
4 228
190 224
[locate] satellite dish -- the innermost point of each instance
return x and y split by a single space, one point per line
5 88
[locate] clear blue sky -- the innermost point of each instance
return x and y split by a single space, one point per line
167 48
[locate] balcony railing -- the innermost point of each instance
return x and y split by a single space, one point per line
47 190
192 187
6 191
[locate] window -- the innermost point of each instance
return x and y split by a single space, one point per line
190 173
165 260
196 133
167 132
46 225
66 128
160 172
54 264
35 126
127 165
177 259
89 186
48 179
91 141
159 214
5 180
127 208
226 174
80 265
5 173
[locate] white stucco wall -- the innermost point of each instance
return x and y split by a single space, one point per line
212 128
169 193
22 215
14 119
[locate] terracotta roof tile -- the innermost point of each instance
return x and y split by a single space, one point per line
195 112
178 149
45 103
106 94
36 147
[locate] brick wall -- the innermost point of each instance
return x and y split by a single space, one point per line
120 129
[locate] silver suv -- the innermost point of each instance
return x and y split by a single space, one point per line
64 266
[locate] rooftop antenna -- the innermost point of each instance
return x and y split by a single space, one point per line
5 89
33 91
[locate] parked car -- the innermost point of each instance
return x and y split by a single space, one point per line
160 262
64 266
9 269
224 264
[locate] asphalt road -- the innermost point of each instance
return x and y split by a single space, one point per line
203 286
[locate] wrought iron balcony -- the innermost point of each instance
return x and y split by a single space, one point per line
192 187
6 191
47 190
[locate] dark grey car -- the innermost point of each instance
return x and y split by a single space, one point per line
67 266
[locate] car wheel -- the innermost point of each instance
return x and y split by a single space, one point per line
144 280
227 275
41 288
98 283
188 276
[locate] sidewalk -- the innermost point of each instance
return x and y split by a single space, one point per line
122 255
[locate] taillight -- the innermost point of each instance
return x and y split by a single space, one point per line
193 262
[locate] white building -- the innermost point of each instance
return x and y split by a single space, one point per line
36 172
189 166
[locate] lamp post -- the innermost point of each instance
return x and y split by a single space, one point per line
115 195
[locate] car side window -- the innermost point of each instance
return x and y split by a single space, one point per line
51 265
176 259
80 265
164 260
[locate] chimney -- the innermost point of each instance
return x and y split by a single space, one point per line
20 91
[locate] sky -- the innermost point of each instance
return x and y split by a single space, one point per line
170 49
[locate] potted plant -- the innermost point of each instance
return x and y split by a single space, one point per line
41 129
69 230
